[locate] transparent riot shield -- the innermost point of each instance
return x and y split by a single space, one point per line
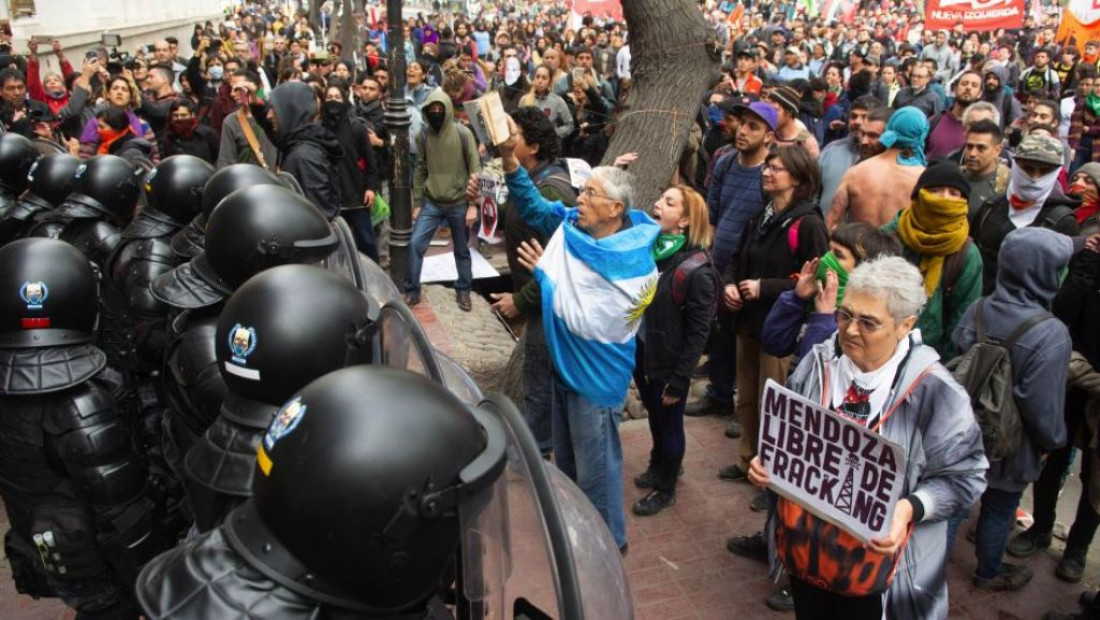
562 562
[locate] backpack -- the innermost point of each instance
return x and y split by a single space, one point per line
985 372
682 274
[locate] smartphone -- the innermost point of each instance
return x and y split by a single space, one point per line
91 55
110 40
578 75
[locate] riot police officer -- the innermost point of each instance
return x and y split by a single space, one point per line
17 155
188 242
280 330
92 217
252 229
50 181
133 332
367 480
76 493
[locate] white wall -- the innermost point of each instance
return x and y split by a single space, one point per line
78 24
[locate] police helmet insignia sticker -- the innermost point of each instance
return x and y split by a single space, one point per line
80 171
34 294
285 421
30 173
149 180
242 343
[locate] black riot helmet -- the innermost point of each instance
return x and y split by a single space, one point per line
252 229
367 479
287 326
17 155
50 294
53 177
175 188
262 227
230 179
106 186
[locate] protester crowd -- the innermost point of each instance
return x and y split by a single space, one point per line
865 211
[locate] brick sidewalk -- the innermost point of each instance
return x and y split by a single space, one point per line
679 566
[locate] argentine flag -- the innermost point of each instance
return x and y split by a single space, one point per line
594 292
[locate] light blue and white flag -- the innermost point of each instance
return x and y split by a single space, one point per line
594 292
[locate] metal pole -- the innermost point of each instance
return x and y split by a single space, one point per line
398 120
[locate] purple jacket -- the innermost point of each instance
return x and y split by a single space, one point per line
783 326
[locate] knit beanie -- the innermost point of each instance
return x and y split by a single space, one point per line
943 174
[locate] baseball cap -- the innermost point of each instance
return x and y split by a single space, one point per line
1041 149
747 52
765 111
793 49
786 97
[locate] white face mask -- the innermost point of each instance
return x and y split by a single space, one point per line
1028 189
511 71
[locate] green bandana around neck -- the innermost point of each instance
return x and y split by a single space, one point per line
1093 102
666 245
829 263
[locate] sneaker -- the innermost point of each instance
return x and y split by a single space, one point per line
708 406
412 299
733 473
733 429
1072 566
760 502
652 503
1028 542
751 547
780 600
624 549
1087 598
463 299
1013 577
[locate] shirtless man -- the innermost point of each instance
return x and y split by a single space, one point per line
875 189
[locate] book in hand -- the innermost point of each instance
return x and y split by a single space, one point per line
488 118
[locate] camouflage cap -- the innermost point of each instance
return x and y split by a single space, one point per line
1040 148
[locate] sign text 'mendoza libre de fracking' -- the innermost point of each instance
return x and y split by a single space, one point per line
837 469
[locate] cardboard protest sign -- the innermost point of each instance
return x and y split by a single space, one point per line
833 467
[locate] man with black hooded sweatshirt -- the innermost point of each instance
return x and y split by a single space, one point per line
307 151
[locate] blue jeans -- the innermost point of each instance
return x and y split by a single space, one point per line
537 369
587 449
359 221
429 220
995 521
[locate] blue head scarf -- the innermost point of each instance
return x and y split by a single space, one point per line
907 129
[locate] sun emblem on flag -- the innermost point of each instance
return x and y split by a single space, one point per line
640 303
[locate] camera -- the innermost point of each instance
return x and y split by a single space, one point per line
110 40
91 55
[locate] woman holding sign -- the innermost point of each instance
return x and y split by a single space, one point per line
876 373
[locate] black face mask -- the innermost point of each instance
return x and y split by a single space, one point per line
435 119
333 111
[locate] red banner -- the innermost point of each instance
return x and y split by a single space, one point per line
599 8
979 15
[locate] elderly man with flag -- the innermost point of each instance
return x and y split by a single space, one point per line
597 276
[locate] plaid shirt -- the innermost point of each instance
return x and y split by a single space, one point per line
1084 123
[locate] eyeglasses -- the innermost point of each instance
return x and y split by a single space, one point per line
774 169
591 193
865 324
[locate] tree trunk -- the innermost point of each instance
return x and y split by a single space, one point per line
349 38
673 60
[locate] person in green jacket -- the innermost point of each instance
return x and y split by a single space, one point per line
448 156
935 236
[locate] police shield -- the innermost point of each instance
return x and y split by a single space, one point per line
538 549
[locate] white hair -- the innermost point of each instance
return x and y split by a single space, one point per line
894 279
618 184
981 106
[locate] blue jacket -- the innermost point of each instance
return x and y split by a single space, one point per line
783 328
